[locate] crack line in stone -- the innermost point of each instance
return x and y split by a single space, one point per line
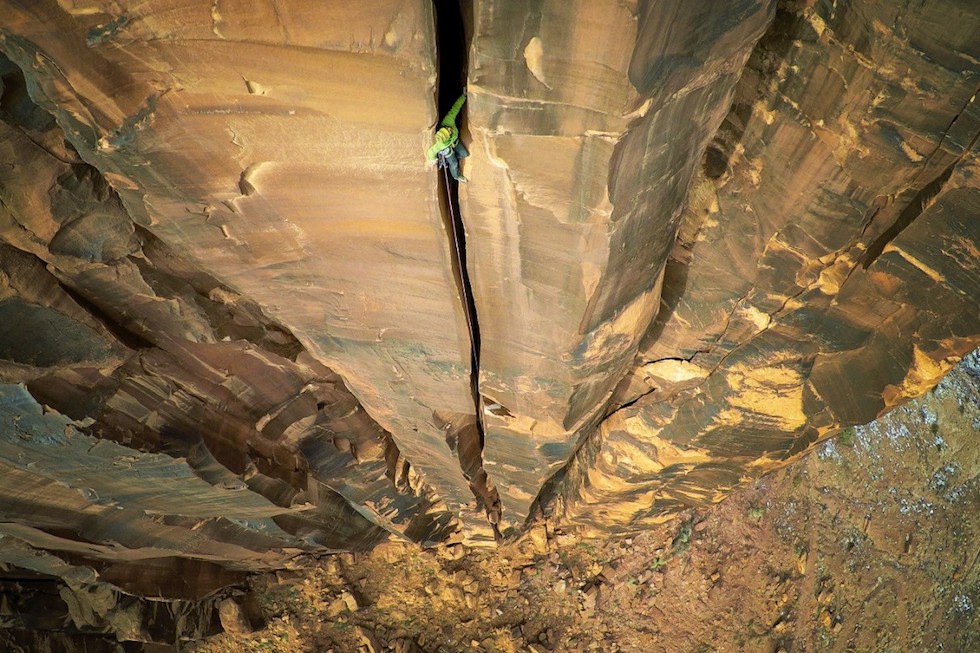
452 49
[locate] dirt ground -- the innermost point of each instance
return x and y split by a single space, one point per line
871 544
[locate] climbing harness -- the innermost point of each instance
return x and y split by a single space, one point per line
441 160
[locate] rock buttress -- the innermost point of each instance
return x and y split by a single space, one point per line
588 121
157 361
281 151
826 269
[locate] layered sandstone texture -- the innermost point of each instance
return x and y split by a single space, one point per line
588 122
173 209
235 323
826 266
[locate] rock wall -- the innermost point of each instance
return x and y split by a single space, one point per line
588 121
177 160
700 238
826 269
264 148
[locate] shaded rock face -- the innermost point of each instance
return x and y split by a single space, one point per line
825 270
588 121
234 314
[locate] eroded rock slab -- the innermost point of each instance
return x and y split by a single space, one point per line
826 271
588 121
692 258
265 149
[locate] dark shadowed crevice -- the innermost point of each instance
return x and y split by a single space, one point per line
914 208
16 105
124 332
924 197
451 51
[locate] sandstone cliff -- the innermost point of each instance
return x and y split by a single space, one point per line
237 323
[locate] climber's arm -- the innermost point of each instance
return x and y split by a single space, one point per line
432 152
450 119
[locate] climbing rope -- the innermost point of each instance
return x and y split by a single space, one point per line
492 506
464 285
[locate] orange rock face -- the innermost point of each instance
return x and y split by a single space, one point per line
264 149
822 274
585 139
697 238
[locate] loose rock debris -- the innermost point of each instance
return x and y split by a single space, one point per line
873 548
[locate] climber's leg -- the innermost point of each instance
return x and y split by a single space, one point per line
453 164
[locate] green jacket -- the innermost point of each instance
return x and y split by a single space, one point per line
448 135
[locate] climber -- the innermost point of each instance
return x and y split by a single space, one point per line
447 150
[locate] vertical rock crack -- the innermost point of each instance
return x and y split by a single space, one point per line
452 46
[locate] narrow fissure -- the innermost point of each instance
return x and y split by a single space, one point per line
908 215
463 279
924 197
451 51
452 47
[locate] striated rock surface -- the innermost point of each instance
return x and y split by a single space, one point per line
109 318
235 318
588 121
827 267
263 148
